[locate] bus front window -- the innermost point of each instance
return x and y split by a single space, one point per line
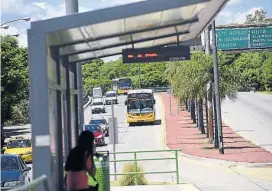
140 106
124 84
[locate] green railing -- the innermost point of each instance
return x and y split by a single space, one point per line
41 180
135 160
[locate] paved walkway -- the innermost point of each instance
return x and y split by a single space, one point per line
181 133
181 187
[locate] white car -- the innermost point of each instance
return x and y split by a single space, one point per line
98 106
111 96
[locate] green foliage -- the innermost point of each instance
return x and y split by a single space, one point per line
254 70
14 80
189 78
130 179
98 72
259 17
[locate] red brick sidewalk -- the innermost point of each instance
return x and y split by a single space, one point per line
182 134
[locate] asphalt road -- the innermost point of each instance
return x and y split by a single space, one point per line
137 138
206 176
250 115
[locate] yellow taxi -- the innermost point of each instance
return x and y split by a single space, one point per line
20 146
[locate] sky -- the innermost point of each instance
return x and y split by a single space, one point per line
234 12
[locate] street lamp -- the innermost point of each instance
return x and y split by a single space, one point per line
5 27
20 19
15 35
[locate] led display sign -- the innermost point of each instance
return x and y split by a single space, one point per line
156 54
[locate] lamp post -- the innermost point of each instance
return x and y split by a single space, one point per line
15 35
20 19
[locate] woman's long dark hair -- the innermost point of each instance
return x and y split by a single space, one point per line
75 160
86 140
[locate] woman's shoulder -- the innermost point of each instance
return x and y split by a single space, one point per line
75 159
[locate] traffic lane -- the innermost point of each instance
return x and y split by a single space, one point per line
141 138
248 116
260 104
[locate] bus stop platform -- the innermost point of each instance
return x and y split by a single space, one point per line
177 187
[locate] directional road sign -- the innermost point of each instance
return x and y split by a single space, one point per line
244 38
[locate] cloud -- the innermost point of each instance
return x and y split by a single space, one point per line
119 2
228 17
234 2
35 10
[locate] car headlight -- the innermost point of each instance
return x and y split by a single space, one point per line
28 153
12 183
100 136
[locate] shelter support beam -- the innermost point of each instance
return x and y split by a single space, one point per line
39 109
72 7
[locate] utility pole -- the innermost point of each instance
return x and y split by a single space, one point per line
72 7
217 91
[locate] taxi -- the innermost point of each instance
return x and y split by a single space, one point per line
20 146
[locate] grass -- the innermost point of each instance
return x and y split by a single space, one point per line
130 179
266 92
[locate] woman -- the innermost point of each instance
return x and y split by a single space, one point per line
80 161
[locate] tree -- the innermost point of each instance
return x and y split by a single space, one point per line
188 79
259 17
14 79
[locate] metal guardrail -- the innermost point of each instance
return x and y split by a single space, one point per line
159 89
87 102
135 159
40 180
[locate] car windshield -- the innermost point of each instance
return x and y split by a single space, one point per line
9 163
92 128
97 103
143 105
19 144
97 121
110 95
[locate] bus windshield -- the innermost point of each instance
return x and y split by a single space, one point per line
140 106
124 83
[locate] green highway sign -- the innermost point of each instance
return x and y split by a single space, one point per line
260 37
244 38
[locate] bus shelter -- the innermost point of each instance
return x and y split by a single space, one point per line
56 46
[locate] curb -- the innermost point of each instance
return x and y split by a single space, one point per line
204 159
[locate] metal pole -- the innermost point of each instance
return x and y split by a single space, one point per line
72 7
177 166
139 71
217 91
170 100
114 138
21 19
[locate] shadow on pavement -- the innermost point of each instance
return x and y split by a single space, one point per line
157 122
242 147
